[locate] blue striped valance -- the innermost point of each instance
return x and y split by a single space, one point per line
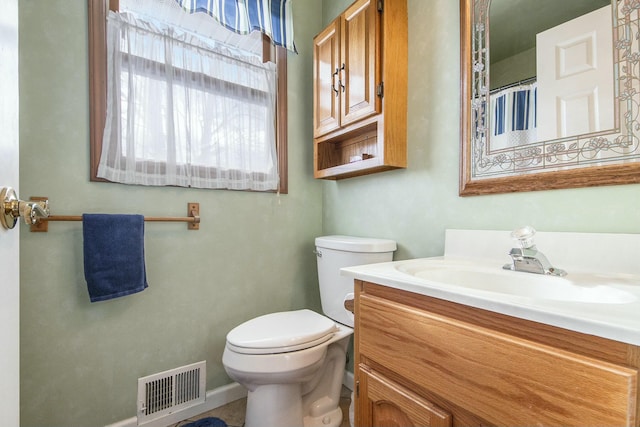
271 17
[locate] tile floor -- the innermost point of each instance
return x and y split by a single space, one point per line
233 413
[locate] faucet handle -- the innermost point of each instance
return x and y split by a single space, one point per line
524 236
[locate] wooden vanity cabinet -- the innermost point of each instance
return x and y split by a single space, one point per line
360 90
421 361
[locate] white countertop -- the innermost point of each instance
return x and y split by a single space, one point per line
581 254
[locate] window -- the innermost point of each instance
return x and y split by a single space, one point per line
208 87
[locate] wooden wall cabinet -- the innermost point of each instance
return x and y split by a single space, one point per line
360 91
421 361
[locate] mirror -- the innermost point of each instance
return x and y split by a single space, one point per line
554 138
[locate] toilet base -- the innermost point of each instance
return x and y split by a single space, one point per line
331 419
281 405
274 406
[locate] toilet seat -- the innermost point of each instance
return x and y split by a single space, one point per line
281 332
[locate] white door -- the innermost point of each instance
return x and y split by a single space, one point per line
575 77
9 239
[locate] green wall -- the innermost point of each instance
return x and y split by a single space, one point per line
521 66
80 361
253 254
416 205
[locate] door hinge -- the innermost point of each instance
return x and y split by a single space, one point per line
357 388
380 5
380 90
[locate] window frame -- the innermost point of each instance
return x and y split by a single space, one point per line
97 17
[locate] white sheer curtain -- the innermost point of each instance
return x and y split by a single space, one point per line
185 111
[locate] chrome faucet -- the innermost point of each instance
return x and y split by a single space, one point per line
527 258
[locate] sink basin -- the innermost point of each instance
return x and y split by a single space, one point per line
576 287
599 296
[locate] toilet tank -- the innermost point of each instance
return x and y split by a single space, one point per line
335 252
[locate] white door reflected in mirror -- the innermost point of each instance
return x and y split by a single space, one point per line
575 77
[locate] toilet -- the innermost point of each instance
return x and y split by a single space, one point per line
292 363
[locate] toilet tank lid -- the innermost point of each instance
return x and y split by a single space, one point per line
356 244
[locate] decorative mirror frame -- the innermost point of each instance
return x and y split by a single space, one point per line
583 161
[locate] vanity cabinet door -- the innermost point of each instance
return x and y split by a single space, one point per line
503 379
384 403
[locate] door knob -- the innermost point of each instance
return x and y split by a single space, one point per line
12 208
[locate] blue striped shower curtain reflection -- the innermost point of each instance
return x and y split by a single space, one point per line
513 116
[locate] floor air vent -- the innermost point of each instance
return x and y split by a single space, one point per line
171 391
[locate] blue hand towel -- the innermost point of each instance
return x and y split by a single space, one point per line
113 255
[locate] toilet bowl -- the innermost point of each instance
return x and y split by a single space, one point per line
292 363
281 376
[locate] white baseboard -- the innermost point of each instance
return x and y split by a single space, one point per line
215 398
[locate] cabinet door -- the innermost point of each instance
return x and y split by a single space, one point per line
384 403
360 34
326 86
501 378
